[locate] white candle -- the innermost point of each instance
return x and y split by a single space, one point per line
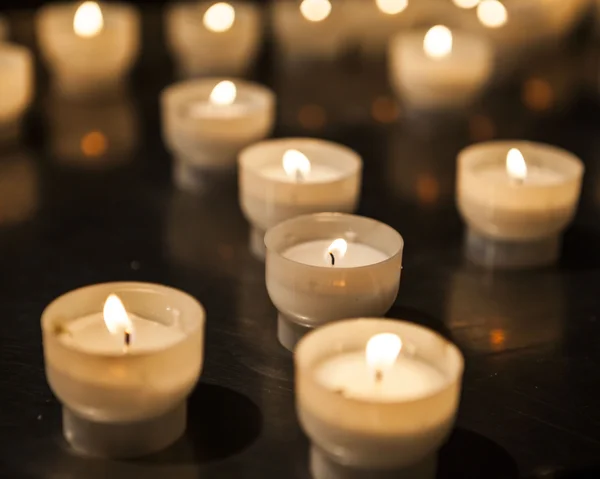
350 375
514 193
90 334
283 178
321 252
376 395
207 122
312 281
123 380
439 69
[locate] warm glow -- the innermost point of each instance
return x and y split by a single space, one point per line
466 3
94 144
115 317
88 21
382 352
224 93
219 17
492 13
296 164
438 42
315 10
515 165
392 7
336 250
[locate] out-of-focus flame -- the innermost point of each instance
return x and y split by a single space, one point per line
115 316
296 164
466 4
224 93
438 42
88 21
391 7
515 165
315 10
382 352
492 13
219 17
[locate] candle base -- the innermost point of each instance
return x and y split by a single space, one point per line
323 467
290 333
257 243
89 89
124 440
197 179
501 254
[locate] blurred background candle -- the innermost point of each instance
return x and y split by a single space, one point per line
310 29
207 122
19 187
329 266
439 69
122 359
516 198
376 396
283 178
4 29
88 47
213 38
16 87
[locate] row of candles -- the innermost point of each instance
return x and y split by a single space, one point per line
372 394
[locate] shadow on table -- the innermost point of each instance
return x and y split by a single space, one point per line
470 455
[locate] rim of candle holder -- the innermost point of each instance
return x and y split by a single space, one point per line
279 232
51 322
306 360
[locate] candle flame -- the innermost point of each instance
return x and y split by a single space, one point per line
315 10
382 351
391 7
466 4
88 21
336 250
515 165
219 17
115 316
223 94
438 42
296 164
492 13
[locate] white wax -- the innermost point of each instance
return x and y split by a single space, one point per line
536 175
90 334
407 379
318 174
205 109
315 253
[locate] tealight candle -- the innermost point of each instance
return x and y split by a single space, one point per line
283 178
329 266
312 29
213 38
439 70
375 396
16 84
207 122
122 359
517 197
88 47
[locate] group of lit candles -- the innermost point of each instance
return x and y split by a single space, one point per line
372 394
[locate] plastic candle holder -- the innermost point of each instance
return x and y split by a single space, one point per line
88 47
283 178
329 266
17 84
207 122
211 38
439 68
376 396
516 198
123 385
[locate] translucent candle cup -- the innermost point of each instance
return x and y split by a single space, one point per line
123 395
517 197
329 266
375 396
283 178
89 47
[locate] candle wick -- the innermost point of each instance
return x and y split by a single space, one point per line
127 339
299 176
332 259
378 375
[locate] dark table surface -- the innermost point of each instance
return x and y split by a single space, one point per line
531 339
